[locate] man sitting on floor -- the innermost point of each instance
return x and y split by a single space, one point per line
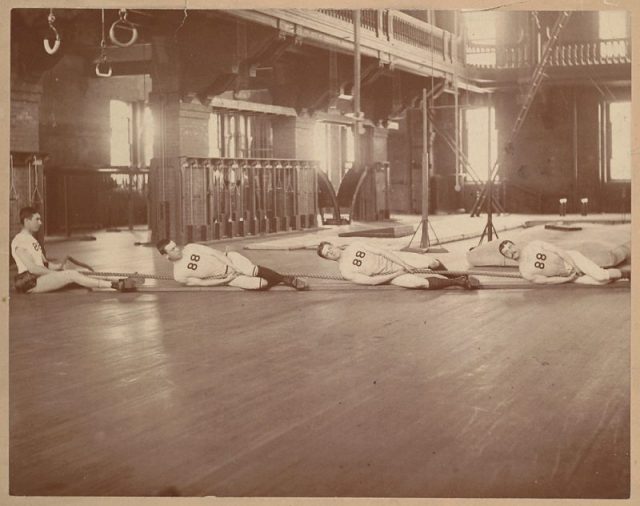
199 265
369 265
545 263
37 275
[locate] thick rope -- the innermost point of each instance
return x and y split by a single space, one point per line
334 277
126 275
509 285
417 271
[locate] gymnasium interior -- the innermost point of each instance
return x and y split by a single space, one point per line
266 132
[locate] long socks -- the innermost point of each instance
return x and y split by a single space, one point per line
439 283
271 277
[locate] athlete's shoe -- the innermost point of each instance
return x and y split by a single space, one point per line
127 284
297 283
471 283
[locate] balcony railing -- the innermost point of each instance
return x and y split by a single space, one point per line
396 26
368 17
567 54
416 33
602 52
385 33
416 46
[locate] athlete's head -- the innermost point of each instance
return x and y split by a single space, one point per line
169 249
329 251
509 250
30 219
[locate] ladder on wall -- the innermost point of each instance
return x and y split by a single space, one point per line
536 80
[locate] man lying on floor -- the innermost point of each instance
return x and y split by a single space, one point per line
544 263
602 253
199 265
369 265
37 275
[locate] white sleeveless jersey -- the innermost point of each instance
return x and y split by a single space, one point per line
357 259
536 259
197 262
30 244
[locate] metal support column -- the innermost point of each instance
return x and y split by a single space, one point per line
424 240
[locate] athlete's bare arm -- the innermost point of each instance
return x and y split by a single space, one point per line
32 267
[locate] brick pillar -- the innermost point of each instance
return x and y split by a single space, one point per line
379 145
284 137
25 140
165 214
194 130
25 115
293 137
305 126
165 203
379 155
182 128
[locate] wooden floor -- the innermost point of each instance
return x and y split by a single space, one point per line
331 392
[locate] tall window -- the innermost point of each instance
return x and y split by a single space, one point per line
322 146
260 136
215 135
481 137
121 116
480 30
240 135
620 141
147 135
131 134
334 148
612 32
230 135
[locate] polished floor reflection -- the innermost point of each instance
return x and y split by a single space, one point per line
333 392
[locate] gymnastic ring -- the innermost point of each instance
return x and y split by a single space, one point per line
56 45
127 26
99 73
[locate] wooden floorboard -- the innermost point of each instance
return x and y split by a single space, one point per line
396 393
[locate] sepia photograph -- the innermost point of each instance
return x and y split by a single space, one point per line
314 252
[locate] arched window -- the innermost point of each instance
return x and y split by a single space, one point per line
480 31
613 32
121 117
480 130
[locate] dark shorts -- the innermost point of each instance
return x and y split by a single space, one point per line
25 281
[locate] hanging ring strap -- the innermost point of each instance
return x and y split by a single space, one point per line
99 72
123 24
102 61
56 45
101 64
